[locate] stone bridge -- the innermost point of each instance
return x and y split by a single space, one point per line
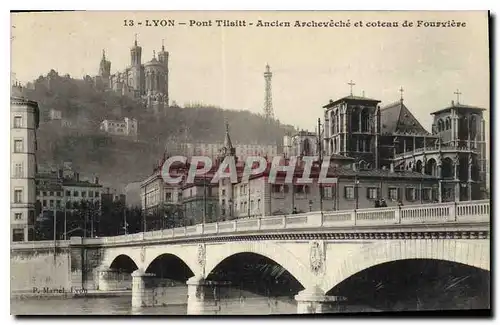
320 250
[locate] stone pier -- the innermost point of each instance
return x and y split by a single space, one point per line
314 301
201 297
143 289
113 279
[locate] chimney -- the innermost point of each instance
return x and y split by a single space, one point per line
452 103
96 180
392 167
77 176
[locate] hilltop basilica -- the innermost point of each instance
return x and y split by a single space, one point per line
148 81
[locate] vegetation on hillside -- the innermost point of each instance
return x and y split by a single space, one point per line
117 160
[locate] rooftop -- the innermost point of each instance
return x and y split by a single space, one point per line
397 118
351 98
459 107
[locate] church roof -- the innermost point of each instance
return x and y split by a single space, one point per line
351 98
397 118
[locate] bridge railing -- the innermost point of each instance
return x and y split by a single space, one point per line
440 213
453 212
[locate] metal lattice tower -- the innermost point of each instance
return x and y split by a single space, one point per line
268 101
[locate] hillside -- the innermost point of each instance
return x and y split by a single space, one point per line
119 161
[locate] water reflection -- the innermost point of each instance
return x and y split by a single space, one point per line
229 302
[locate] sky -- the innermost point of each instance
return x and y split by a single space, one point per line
224 66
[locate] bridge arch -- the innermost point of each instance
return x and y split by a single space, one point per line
114 255
474 253
181 253
272 251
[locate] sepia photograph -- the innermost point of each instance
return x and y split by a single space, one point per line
249 162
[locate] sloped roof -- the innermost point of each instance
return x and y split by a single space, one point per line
397 118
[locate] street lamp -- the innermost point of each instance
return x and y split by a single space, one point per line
310 205
230 201
356 191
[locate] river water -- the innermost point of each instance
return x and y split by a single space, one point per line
238 302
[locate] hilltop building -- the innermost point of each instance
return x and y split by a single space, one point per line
146 81
128 127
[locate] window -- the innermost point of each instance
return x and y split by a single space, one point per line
18 170
51 193
276 188
372 193
168 196
18 216
51 203
44 203
17 234
410 194
75 193
18 122
426 194
68 193
91 193
18 145
394 193
328 192
84 193
58 203
44 193
223 192
435 195
18 196
59 193
349 192
96 194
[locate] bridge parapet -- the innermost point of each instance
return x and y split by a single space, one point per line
466 212
441 213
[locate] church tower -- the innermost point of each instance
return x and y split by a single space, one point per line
135 68
104 67
163 59
225 186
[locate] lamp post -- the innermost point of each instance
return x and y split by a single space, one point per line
310 205
230 201
65 208
356 190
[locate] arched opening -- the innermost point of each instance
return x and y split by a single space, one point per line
418 167
355 120
254 275
170 267
123 263
365 120
463 168
447 168
431 167
463 128
473 127
440 125
306 147
448 123
416 284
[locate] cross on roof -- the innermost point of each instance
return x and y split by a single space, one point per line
351 84
458 93
401 90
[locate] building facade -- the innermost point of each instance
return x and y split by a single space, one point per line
25 117
454 152
146 81
161 202
128 127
